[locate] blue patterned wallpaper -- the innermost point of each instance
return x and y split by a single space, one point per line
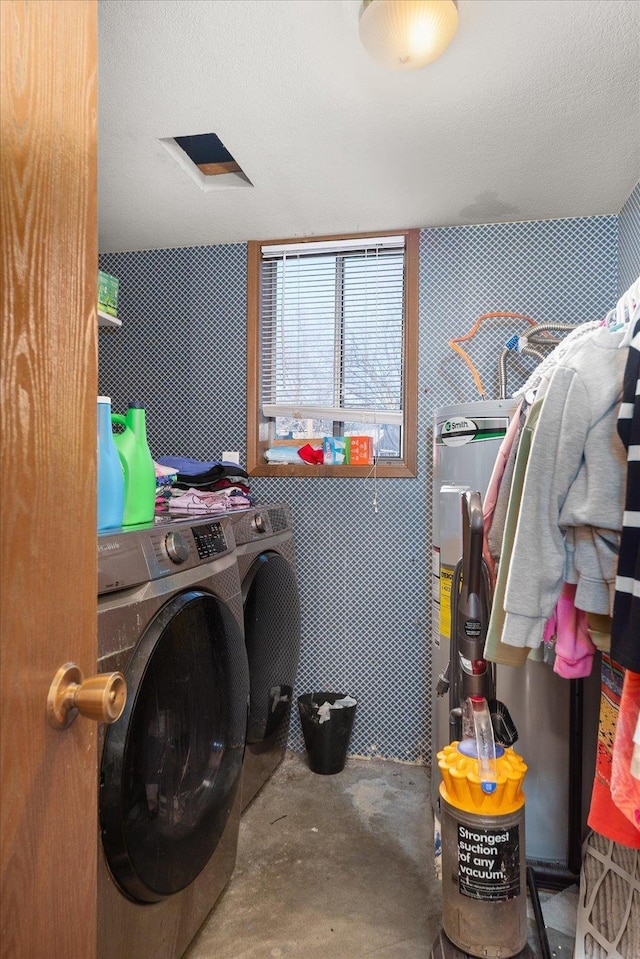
181 348
363 569
629 241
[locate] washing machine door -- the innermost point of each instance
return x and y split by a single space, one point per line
171 764
272 637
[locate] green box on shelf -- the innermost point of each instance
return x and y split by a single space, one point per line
334 448
107 293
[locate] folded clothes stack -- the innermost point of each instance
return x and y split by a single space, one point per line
211 487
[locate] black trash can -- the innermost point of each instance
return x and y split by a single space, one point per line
326 739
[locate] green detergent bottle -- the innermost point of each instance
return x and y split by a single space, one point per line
137 465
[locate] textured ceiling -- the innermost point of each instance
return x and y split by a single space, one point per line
532 113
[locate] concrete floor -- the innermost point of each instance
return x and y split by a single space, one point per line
331 867
341 867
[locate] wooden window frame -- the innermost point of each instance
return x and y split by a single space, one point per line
258 438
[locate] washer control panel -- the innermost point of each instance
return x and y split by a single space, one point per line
209 539
128 558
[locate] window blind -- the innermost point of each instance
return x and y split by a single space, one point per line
332 330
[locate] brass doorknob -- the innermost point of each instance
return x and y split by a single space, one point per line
101 698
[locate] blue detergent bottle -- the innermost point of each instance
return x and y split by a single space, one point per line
110 475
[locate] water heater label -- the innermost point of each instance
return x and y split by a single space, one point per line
458 431
489 863
446 582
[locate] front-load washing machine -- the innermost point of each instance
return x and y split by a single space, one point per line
170 617
266 563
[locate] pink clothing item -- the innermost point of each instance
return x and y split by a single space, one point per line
574 649
625 788
491 495
197 501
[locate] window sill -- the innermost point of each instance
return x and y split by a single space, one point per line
400 470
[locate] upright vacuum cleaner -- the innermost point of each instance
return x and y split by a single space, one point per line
484 875
468 672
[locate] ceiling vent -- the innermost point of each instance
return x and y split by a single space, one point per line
207 161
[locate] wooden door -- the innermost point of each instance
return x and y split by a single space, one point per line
48 494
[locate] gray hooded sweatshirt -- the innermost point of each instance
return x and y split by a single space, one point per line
572 502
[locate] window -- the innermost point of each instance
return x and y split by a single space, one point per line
332 349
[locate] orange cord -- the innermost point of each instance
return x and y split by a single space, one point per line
472 332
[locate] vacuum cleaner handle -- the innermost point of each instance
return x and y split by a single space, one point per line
472 536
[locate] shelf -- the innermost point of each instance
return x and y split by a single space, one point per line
105 319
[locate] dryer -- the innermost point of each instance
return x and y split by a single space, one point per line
170 617
266 563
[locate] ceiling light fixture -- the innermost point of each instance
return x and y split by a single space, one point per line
407 34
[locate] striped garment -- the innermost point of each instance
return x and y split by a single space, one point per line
625 633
